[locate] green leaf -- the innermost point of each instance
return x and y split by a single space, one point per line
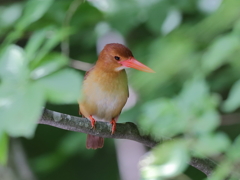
233 151
205 122
130 16
233 100
3 148
69 145
20 109
13 65
193 93
62 87
159 10
191 110
162 118
10 14
222 171
210 144
198 106
166 160
219 52
34 10
35 42
49 64
54 37
230 163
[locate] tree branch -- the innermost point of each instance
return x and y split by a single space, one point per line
124 131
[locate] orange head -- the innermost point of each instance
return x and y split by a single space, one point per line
116 57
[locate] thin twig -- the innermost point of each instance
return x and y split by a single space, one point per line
80 65
19 161
70 12
124 131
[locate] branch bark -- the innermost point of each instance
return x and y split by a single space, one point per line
124 131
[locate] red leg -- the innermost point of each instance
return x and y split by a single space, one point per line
92 121
113 122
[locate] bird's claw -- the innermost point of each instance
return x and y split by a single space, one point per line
93 121
113 122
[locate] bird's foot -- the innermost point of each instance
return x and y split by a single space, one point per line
93 121
113 122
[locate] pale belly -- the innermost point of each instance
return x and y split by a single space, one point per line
103 102
109 106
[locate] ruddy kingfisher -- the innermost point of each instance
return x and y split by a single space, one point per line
105 88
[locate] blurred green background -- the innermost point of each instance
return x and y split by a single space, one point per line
191 102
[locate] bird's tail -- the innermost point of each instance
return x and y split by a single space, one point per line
94 142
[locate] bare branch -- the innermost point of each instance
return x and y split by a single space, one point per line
80 65
72 123
124 131
230 119
205 165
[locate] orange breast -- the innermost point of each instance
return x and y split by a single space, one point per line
104 94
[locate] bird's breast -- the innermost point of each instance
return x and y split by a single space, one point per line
104 95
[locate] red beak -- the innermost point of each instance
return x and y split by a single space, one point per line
133 63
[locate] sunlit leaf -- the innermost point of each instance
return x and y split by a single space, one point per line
233 100
159 10
169 58
230 164
198 123
48 65
130 16
20 109
188 112
210 144
13 65
192 93
34 10
62 87
3 148
35 42
10 14
172 21
166 160
222 171
219 52
54 37
162 118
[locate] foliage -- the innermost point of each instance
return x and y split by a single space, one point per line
34 75
193 49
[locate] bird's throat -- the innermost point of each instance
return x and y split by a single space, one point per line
111 80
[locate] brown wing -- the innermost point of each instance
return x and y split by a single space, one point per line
85 77
86 74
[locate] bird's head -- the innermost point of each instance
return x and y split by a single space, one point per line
116 57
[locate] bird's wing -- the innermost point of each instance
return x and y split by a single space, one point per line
87 73
85 77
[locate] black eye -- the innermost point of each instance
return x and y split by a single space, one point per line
117 58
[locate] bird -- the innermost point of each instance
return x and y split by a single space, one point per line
105 88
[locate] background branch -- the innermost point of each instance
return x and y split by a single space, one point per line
70 12
124 131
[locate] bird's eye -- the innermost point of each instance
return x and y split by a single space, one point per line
117 58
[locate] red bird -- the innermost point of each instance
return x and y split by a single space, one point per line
105 88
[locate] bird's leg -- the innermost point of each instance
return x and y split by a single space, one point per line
92 121
113 122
